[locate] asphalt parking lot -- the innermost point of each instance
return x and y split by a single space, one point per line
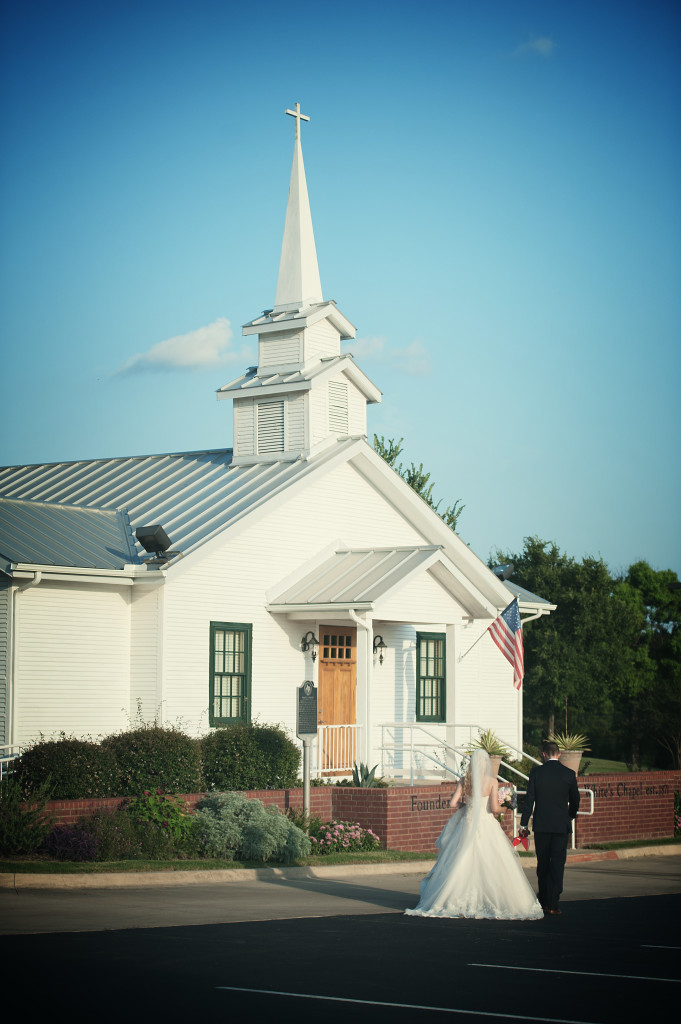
340 947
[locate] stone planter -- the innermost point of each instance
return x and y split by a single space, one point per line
495 760
571 759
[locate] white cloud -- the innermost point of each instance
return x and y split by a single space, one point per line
413 360
543 46
197 350
364 349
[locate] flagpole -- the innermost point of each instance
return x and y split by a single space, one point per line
462 656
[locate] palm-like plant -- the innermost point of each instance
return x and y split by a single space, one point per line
488 741
569 741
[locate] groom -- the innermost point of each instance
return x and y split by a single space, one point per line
553 795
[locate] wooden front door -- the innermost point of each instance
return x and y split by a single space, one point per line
337 695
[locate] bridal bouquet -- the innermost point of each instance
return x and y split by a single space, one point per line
507 798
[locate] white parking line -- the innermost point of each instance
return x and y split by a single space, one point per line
648 946
581 974
401 1006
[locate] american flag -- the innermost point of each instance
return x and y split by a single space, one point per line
507 633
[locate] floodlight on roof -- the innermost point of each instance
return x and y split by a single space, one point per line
153 539
503 572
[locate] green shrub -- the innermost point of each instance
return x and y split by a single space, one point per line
241 757
77 768
70 842
23 826
236 828
115 833
163 825
155 757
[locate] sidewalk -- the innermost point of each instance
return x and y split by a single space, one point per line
136 879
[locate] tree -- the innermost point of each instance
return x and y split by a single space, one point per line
417 479
608 658
652 701
574 658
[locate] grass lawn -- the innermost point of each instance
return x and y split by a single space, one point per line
600 766
42 866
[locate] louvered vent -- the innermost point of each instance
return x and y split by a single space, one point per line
270 427
338 407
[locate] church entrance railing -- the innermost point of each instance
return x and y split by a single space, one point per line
336 749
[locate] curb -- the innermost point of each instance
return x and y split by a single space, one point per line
145 879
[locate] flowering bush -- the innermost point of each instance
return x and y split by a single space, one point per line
341 837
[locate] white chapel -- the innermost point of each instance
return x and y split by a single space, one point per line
204 587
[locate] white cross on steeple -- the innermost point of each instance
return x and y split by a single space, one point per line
296 113
298 284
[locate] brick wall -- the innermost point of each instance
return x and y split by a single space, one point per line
636 805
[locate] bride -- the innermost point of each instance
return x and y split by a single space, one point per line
477 873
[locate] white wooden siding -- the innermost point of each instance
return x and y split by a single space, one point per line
146 651
244 427
5 610
423 599
295 423
319 415
322 339
357 412
73 660
485 694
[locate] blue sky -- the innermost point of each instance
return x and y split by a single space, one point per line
496 203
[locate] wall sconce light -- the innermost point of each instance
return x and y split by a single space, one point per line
379 647
310 643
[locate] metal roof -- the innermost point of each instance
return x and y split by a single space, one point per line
271 320
46 533
353 577
526 598
193 495
252 382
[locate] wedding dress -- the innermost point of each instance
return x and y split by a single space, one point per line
477 873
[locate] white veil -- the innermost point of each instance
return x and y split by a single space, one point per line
481 772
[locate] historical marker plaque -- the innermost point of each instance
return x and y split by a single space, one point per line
306 720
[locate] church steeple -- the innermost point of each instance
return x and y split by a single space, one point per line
304 395
298 284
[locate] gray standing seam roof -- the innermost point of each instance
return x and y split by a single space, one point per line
46 533
354 576
193 495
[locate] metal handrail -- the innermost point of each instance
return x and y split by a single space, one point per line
582 789
458 751
6 759
411 726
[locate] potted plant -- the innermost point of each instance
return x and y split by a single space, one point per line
488 741
571 746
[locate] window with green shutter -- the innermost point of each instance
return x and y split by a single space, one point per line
230 672
430 677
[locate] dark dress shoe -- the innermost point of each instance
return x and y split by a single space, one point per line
553 913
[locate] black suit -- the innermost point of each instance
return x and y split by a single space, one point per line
553 795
